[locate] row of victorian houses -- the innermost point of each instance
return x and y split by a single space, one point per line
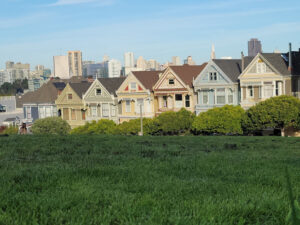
219 82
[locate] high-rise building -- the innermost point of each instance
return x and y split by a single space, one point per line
114 68
176 61
189 61
129 60
105 58
16 71
153 65
141 63
61 67
254 47
75 63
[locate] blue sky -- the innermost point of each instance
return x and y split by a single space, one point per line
33 31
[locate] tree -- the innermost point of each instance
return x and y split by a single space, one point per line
51 125
224 120
277 112
133 127
101 127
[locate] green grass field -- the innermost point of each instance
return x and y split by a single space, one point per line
146 180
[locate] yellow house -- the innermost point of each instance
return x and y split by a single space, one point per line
70 104
135 93
269 75
174 89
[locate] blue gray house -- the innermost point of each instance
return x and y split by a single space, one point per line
41 103
218 85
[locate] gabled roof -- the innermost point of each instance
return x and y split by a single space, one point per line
80 88
112 84
187 73
280 62
232 67
147 78
46 94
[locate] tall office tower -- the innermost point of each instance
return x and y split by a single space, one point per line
213 52
254 47
141 63
176 61
75 63
189 61
114 68
61 67
129 60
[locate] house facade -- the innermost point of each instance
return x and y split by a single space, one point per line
269 75
174 89
41 103
218 85
9 112
101 100
70 104
135 93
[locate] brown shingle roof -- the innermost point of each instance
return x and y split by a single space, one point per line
147 78
187 73
46 94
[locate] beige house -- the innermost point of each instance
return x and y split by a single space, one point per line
136 91
174 89
70 103
270 75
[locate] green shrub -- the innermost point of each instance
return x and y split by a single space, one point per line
277 112
51 125
11 130
173 123
133 127
224 120
101 127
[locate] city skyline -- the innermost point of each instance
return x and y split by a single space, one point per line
34 32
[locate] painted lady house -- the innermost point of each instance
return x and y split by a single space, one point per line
174 88
218 85
70 103
101 100
269 75
137 91
41 103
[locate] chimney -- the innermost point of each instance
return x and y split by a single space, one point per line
290 59
243 61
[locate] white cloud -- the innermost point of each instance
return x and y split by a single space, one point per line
76 2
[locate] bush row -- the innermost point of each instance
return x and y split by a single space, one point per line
278 112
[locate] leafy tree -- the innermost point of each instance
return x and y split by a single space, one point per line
224 120
133 127
101 127
277 112
51 125
173 123
11 130
13 88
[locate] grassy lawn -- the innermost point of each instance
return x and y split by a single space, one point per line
146 180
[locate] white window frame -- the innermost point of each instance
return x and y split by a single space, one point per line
28 112
250 92
205 94
96 92
105 110
131 86
222 94
128 106
94 112
49 112
138 102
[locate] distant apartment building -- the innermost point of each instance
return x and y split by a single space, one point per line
95 70
61 67
254 47
153 65
189 61
129 59
16 71
176 61
114 68
75 63
141 63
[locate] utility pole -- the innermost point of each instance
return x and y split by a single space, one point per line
141 113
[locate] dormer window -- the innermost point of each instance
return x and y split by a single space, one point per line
171 81
70 96
98 91
213 76
133 86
